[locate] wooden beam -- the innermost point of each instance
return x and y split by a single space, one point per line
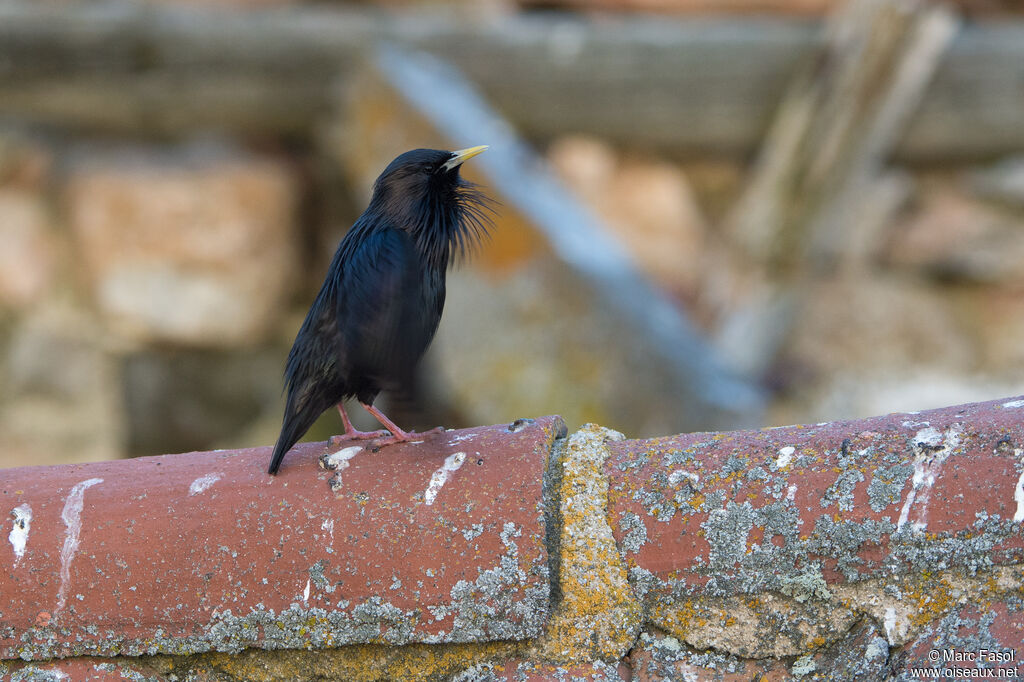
682 85
835 130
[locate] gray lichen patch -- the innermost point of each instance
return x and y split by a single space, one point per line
803 666
597 671
840 493
636 532
808 585
502 603
317 577
886 486
726 531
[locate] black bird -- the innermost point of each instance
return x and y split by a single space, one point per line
381 302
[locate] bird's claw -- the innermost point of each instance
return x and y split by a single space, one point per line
406 437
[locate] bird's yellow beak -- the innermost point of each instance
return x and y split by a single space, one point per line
460 156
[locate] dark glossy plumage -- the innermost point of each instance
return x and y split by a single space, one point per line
380 304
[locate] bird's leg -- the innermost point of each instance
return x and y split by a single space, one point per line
351 432
397 434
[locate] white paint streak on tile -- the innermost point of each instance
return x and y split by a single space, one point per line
1018 496
328 525
911 496
22 515
305 592
1014 403
440 477
785 457
203 483
72 518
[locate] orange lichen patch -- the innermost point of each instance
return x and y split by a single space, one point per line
363 663
598 616
366 663
933 599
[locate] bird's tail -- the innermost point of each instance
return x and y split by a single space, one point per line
296 423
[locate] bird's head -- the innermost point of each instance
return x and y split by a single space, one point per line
422 192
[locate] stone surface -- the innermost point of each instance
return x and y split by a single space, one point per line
27 256
439 541
659 657
647 203
59 391
885 323
860 655
757 542
191 245
954 236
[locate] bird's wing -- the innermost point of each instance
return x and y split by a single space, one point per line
385 310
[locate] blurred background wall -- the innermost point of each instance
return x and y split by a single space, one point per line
831 194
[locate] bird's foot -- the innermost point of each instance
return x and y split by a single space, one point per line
355 434
406 437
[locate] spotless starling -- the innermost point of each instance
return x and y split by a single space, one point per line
381 302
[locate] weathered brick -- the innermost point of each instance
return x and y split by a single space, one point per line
770 542
189 246
437 541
